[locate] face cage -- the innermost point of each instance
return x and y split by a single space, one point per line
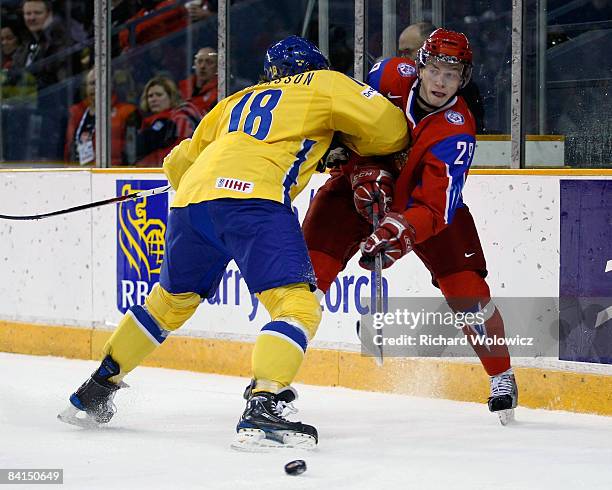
423 57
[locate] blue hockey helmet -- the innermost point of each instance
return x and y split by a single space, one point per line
291 56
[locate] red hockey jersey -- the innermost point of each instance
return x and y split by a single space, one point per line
428 189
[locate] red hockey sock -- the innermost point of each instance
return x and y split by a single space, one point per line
463 292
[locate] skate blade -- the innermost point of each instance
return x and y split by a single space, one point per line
506 417
73 416
255 441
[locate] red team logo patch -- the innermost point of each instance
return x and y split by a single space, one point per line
406 70
454 117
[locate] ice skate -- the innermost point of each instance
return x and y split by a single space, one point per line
92 406
504 396
263 425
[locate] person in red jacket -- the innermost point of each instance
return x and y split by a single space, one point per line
80 133
426 214
167 121
201 88
156 19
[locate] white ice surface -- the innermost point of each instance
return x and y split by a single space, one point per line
173 431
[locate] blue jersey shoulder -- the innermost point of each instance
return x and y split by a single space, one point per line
376 73
457 151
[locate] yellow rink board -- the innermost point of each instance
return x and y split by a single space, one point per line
539 388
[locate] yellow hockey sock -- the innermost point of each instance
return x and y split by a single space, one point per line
278 354
142 330
281 344
134 339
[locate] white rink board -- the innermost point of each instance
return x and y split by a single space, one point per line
63 270
46 266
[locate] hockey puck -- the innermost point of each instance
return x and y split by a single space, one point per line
296 467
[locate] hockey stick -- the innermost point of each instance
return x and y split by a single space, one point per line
367 334
127 197
378 283
377 268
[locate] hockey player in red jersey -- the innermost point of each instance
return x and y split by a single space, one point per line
419 197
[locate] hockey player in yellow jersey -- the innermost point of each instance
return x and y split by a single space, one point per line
235 180
265 141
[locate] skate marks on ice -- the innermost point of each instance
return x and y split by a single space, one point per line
173 430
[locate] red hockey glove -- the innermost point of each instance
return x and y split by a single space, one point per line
394 237
372 185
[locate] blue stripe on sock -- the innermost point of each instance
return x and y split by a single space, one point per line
147 322
108 368
288 330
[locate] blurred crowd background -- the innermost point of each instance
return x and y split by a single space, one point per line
164 68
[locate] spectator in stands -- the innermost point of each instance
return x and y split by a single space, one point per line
167 121
200 9
80 133
411 39
201 88
9 41
46 39
155 20
121 12
14 85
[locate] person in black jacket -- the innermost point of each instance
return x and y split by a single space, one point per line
46 40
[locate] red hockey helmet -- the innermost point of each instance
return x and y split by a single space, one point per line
448 47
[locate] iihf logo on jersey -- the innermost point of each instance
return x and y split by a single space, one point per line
141 226
406 70
234 185
454 117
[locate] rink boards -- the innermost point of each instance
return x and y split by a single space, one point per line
66 280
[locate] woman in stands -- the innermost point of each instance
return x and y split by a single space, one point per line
167 120
9 41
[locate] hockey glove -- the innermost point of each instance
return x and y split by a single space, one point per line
372 185
394 238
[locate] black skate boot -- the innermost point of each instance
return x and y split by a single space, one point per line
504 396
263 424
92 404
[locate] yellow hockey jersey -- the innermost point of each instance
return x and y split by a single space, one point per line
266 140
